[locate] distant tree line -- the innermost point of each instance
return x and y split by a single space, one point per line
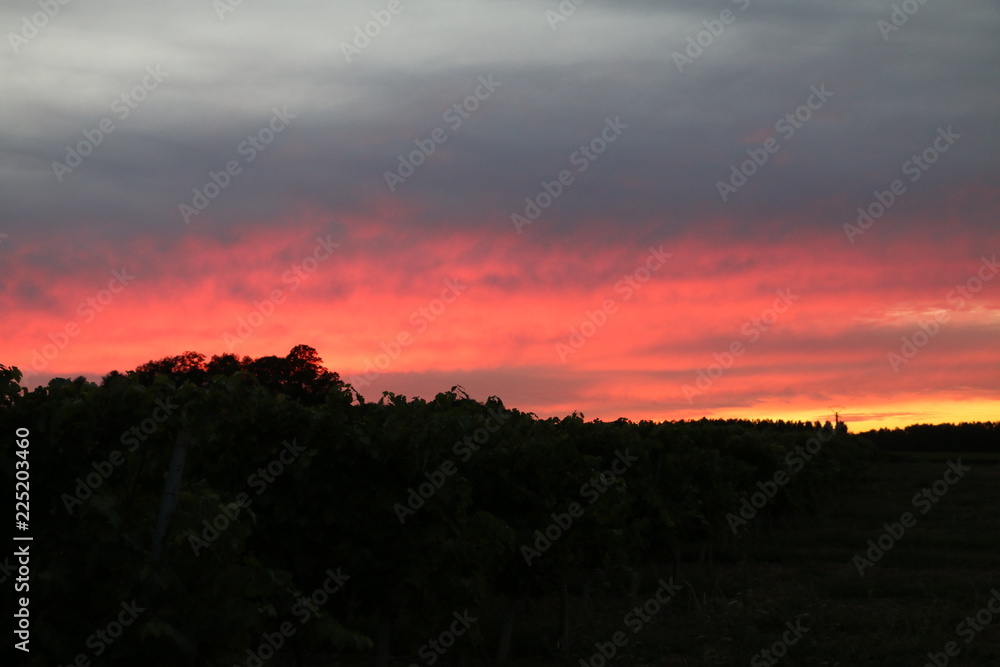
964 437
301 375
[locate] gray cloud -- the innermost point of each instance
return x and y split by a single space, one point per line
608 59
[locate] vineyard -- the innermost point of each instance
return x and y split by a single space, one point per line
238 519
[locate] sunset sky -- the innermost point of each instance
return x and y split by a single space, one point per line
623 208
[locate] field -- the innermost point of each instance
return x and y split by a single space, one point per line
910 603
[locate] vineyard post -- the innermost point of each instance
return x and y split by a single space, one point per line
507 630
167 505
170 494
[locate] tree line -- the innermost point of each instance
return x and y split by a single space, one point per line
253 506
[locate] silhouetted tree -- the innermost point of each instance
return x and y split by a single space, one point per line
187 366
227 364
300 374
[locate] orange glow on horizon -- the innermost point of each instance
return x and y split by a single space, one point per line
550 327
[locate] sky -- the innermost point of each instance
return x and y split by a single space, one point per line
650 210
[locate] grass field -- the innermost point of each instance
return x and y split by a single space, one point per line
910 603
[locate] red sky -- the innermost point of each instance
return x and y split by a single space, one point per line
743 161
515 301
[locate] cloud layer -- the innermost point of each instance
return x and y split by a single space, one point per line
225 155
